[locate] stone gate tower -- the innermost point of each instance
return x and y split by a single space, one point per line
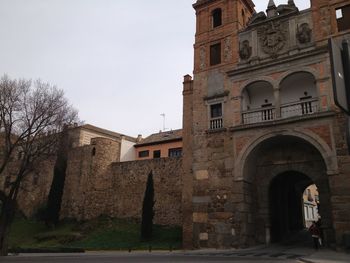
260 124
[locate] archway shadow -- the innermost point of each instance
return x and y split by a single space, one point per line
286 209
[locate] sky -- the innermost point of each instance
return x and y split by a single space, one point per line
120 63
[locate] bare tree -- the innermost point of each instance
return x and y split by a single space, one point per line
32 116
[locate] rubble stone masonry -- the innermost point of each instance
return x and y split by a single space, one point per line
96 185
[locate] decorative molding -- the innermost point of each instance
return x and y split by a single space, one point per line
228 49
272 37
217 96
202 57
304 33
245 50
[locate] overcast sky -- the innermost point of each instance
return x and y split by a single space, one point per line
121 63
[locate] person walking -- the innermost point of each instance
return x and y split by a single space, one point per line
315 234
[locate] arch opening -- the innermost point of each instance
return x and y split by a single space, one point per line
258 102
298 95
286 204
277 172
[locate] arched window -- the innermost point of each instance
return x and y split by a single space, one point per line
258 102
217 17
93 152
298 95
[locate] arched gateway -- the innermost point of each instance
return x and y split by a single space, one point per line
260 125
277 171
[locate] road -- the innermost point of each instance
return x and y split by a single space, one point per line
151 257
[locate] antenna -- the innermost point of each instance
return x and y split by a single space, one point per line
163 115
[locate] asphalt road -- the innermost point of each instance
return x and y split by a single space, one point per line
143 257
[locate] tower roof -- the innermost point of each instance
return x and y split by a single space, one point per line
271 4
291 2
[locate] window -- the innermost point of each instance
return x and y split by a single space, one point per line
215 54
217 17
216 110
143 154
216 116
175 152
343 18
93 152
243 17
156 154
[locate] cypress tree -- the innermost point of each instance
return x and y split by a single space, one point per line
147 209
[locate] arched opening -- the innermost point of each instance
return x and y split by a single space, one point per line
298 95
276 174
258 102
217 17
311 201
287 207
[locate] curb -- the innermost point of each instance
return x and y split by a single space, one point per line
305 260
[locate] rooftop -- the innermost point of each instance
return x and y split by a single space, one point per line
161 137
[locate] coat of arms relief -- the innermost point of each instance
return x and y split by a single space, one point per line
273 37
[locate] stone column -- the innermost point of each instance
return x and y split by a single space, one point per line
276 94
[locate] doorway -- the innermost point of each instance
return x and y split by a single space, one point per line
286 202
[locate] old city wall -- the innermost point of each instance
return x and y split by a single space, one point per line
98 185
35 186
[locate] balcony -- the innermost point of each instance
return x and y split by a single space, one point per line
299 108
259 115
216 123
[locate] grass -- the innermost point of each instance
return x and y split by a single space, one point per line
100 234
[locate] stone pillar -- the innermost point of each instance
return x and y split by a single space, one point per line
187 177
276 94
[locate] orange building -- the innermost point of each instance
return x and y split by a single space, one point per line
160 145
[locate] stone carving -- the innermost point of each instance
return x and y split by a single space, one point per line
227 49
202 58
287 9
272 38
304 33
256 18
245 50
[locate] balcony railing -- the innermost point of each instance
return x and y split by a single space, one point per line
259 115
216 123
299 108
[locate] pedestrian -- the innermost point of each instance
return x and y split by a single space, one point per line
315 233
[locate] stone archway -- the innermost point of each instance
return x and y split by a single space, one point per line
285 204
281 167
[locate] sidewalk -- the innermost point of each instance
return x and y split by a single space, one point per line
326 256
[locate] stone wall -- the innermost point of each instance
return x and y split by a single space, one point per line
35 186
96 185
